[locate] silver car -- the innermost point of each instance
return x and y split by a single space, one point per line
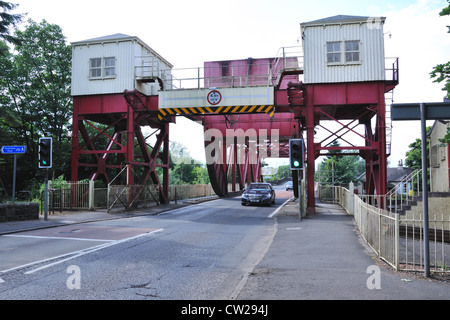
289 186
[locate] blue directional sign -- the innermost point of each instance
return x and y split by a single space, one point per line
13 149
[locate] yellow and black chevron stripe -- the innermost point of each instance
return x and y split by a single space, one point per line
167 112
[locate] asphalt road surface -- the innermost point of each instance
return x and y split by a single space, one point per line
202 251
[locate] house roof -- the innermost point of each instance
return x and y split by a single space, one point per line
398 174
341 19
108 38
395 174
119 37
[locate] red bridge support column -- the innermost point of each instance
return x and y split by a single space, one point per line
123 115
310 153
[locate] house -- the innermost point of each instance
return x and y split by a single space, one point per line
396 178
439 158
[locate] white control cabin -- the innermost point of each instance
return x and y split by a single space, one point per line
343 49
115 63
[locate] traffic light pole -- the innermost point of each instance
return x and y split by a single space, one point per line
300 215
46 195
296 162
14 177
45 162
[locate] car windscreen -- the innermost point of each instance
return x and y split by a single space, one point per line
259 187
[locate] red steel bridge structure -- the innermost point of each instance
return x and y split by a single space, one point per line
298 110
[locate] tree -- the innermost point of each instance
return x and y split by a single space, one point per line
413 158
183 168
446 138
283 172
441 72
7 23
200 175
35 97
341 167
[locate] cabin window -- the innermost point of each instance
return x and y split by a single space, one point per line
351 51
100 68
110 67
333 52
95 66
343 52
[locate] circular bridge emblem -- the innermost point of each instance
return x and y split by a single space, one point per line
214 97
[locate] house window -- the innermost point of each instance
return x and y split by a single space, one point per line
434 158
110 67
95 68
100 68
333 52
351 51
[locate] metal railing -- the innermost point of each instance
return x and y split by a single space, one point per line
397 238
84 196
67 196
238 75
404 192
392 72
132 196
379 228
189 191
287 58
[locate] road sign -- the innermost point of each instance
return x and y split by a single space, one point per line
13 149
214 97
411 111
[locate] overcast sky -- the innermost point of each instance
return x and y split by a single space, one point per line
187 33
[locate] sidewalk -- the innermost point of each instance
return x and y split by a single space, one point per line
323 257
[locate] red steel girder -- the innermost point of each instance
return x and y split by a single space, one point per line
234 161
348 101
125 115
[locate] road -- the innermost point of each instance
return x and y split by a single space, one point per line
202 251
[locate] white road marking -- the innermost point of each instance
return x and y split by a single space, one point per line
90 250
279 208
52 237
75 254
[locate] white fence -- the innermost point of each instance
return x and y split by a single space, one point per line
397 238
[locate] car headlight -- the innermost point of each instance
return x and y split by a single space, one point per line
266 196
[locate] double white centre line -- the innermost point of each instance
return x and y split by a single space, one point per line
72 255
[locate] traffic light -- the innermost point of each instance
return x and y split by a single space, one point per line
45 152
296 154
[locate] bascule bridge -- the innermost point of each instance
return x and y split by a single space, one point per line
249 108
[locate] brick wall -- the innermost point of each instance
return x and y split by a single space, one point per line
19 211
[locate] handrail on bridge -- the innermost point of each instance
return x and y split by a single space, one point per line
149 68
291 58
